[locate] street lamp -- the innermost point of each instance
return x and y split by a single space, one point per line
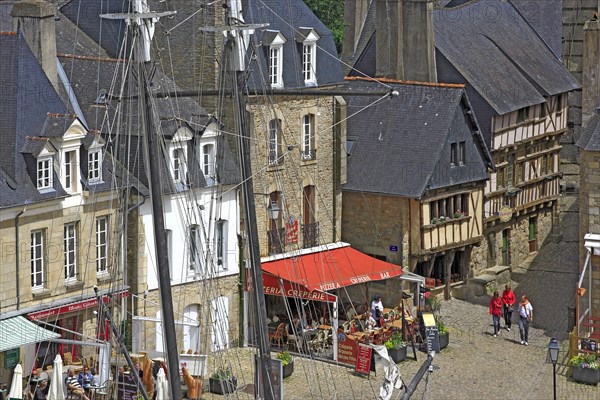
553 349
273 210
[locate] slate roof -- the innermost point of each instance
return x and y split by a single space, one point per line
503 58
27 97
288 17
590 137
31 115
390 138
494 48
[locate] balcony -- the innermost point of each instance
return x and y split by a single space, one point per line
310 235
276 241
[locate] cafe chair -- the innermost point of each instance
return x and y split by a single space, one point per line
277 337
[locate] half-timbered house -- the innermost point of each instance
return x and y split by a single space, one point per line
417 167
518 88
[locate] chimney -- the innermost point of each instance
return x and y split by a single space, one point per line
405 40
355 13
590 76
35 20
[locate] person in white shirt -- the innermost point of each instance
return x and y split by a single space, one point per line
525 318
377 310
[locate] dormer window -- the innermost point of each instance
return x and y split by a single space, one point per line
208 160
44 172
95 165
70 171
178 165
308 38
275 41
179 157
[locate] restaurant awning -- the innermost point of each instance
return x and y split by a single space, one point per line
275 286
331 268
19 331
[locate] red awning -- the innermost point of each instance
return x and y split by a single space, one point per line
275 286
331 269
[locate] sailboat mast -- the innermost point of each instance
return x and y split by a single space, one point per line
143 30
237 63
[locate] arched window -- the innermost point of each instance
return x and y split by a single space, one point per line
191 327
220 323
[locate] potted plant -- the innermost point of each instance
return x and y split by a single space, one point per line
287 361
585 369
443 334
396 347
222 381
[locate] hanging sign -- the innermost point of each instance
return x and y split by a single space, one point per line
291 231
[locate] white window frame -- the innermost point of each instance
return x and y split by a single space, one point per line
178 165
38 244
194 253
45 177
220 323
221 227
70 251
70 174
308 136
274 141
191 327
95 165
208 159
276 65
102 245
309 63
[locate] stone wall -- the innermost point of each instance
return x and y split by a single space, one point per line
518 243
372 223
589 193
201 293
294 173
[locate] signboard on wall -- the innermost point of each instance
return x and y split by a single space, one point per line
291 231
430 283
11 358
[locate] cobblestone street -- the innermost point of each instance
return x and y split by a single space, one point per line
475 365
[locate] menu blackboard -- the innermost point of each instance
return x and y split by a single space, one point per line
363 360
433 339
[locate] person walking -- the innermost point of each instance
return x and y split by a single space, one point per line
496 311
525 318
508 300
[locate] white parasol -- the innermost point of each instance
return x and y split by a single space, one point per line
56 382
16 387
162 386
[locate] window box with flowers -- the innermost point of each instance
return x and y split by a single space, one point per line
585 369
459 214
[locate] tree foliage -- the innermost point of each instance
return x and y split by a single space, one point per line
331 13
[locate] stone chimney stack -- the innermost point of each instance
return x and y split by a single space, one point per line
35 20
355 13
590 77
405 40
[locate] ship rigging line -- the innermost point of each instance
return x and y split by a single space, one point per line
285 92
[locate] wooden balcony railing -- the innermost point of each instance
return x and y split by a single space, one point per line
450 231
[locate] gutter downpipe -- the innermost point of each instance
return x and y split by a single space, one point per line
17 261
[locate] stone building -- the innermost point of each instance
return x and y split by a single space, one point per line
417 169
518 88
59 197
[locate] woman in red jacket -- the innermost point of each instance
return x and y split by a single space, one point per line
496 311
508 301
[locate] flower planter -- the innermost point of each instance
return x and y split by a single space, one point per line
586 375
444 340
288 369
398 354
222 387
